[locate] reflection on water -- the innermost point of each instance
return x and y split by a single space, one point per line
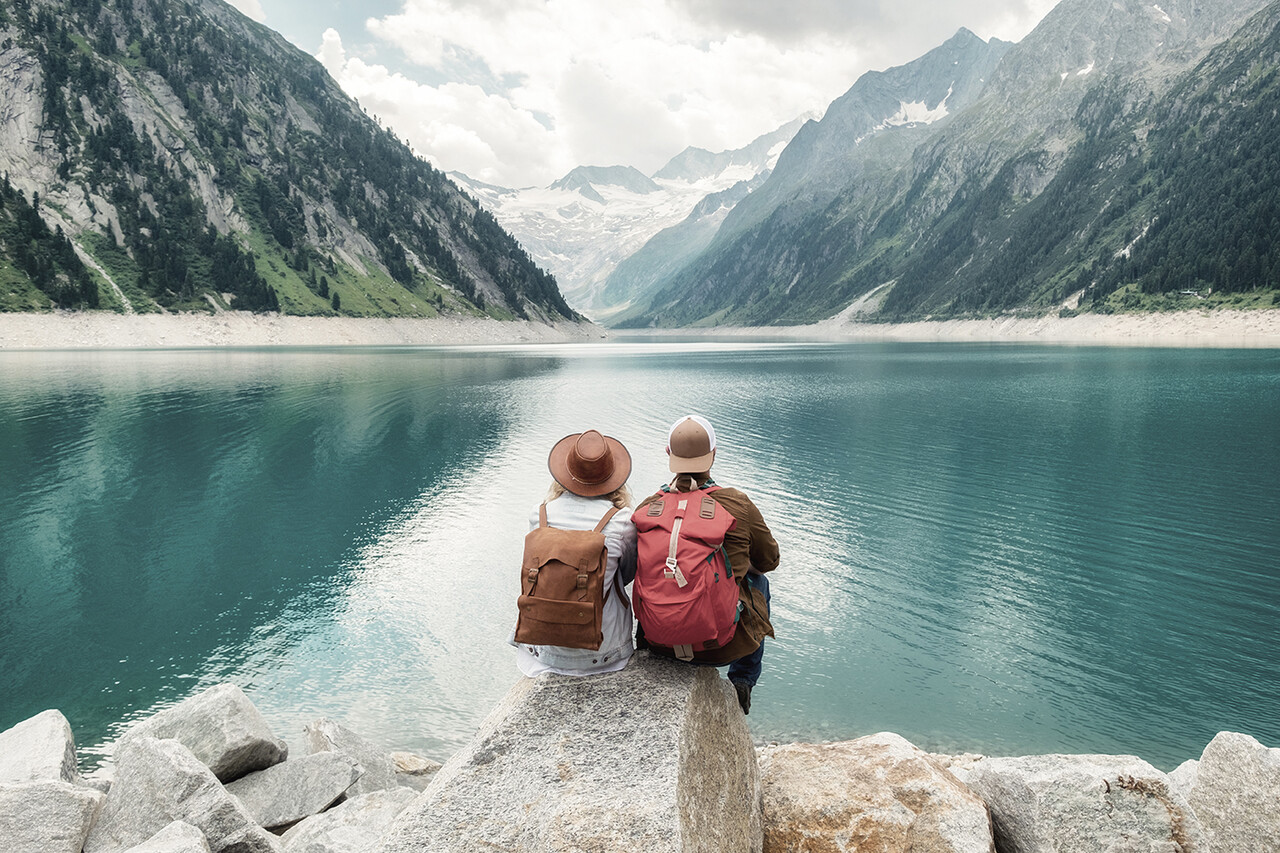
998 549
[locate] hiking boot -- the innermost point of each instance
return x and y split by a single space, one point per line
744 696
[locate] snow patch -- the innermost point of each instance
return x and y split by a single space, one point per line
1163 14
1086 70
911 114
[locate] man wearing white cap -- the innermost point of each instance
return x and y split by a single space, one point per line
749 547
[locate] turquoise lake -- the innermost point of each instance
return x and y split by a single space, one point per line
989 548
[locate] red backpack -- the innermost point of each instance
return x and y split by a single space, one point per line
684 594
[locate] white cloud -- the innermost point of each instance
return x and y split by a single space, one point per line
540 86
626 83
250 9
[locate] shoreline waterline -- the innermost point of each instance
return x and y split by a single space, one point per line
1222 328
63 330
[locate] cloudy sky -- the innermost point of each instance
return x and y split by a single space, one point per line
518 92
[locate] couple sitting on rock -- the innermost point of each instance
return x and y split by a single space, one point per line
694 553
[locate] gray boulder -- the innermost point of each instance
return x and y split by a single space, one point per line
414 771
356 826
326 735
656 757
286 793
1182 779
177 837
221 727
40 749
875 793
160 781
1236 795
46 817
1082 804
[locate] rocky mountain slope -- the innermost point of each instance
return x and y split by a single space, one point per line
181 156
595 217
1038 191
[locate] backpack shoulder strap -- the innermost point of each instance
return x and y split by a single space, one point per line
613 510
542 514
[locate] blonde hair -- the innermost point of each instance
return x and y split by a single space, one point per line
619 497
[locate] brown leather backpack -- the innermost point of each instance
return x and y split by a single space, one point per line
562 585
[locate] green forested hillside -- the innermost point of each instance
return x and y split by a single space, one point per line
201 159
38 267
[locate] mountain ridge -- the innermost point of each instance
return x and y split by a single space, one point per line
196 158
931 225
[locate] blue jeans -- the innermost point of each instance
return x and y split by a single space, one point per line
746 669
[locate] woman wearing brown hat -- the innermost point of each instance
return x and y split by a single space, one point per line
589 472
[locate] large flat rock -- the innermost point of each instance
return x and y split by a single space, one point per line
161 781
656 757
876 794
1082 804
39 749
378 770
46 817
1236 794
356 826
286 793
221 727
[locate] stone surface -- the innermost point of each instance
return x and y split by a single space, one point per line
656 757
325 735
414 771
288 792
40 749
177 837
876 794
1082 804
1237 794
1182 779
356 826
222 728
160 781
46 817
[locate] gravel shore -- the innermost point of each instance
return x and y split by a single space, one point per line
99 330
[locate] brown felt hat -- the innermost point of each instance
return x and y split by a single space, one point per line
589 464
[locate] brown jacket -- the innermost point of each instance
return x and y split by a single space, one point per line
750 546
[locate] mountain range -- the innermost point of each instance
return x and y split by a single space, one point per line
175 155
1123 150
583 225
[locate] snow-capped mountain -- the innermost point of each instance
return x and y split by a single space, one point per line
583 225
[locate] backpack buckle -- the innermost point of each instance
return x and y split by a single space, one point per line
673 571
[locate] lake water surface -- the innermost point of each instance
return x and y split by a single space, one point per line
993 548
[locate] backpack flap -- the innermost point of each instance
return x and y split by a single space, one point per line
562 581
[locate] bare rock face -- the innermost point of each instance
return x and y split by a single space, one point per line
222 728
877 794
356 826
325 735
40 749
1236 794
160 781
656 757
286 793
1082 804
177 837
46 817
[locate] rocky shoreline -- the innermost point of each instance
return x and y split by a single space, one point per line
1222 328
656 758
